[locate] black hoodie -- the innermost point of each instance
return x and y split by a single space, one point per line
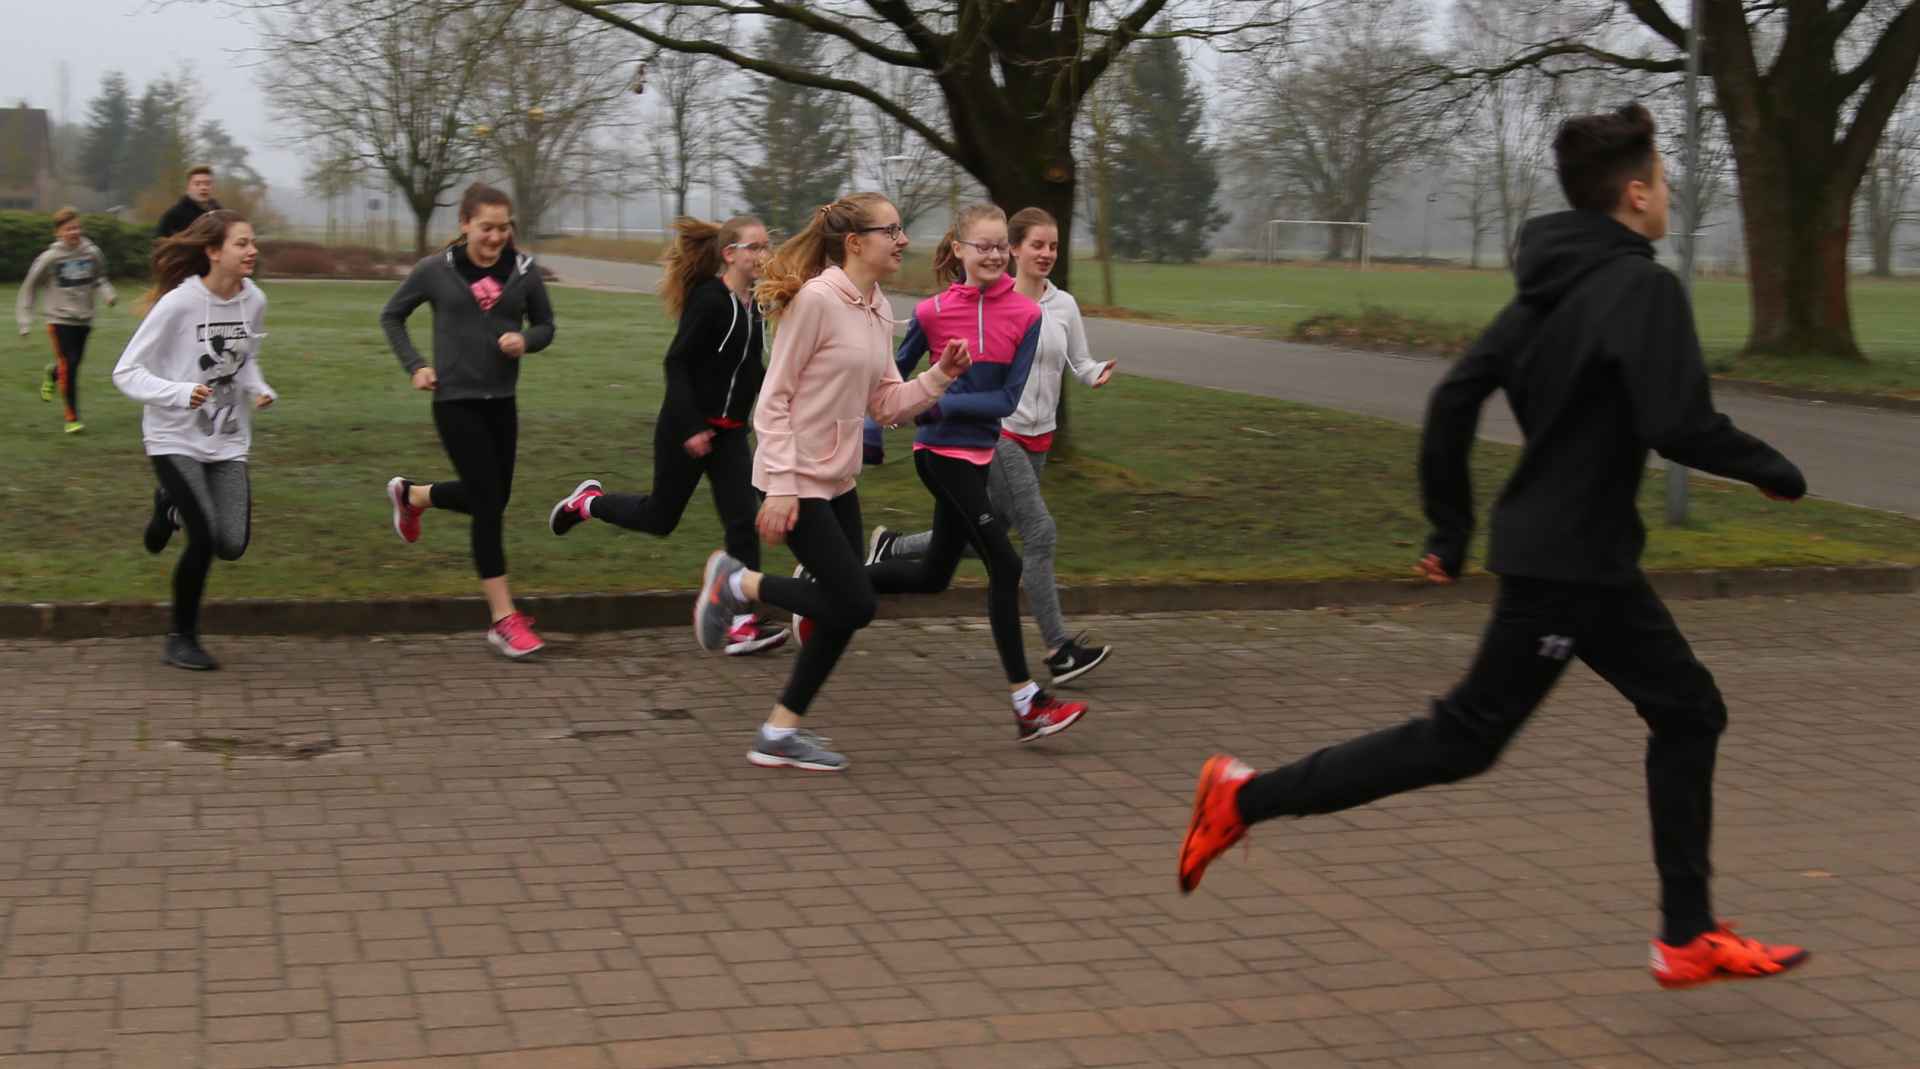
1600 362
714 367
183 213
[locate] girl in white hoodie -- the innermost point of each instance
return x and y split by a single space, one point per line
193 364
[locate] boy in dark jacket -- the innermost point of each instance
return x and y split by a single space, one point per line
1600 362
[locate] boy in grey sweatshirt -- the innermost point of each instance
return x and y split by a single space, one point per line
73 272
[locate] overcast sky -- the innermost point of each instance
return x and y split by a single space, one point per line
144 40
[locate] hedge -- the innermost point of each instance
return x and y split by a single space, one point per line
25 235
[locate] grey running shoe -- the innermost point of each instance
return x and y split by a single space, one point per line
183 651
715 607
802 749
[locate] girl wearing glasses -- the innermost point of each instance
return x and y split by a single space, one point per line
955 445
831 366
714 372
1013 481
193 364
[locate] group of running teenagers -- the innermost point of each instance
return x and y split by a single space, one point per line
1597 354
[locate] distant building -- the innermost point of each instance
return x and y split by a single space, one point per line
26 160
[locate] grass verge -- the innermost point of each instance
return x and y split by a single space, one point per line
1168 482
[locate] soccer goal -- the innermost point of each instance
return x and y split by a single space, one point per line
1310 239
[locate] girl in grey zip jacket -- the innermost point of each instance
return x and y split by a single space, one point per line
467 360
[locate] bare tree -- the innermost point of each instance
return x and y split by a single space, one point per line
393 84
1011 75
690 135
912 173
551 82
1337 121
1807 88
1100 124
1888 185
1474 185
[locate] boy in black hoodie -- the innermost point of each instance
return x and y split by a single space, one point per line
1600 363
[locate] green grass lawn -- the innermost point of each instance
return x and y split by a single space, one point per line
1449 305
1276 298
1168 481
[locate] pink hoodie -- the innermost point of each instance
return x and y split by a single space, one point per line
832 366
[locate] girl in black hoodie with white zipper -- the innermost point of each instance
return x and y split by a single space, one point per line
490 308
714 369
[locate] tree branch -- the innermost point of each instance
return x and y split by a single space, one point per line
1891 64
1125 32
804 14
1892 40
1654 15
781 71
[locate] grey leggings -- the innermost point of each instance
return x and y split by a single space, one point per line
215 503
1013 487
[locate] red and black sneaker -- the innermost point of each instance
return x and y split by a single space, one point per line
1720 955
750 635
1047 715
406 518
1216 823
571 511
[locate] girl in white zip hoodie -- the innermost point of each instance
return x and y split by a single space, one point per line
194 365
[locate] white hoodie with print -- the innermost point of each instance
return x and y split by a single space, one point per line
193 338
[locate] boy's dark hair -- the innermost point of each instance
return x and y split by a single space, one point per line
200 168
1597 155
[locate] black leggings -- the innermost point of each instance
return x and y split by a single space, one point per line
729 471
69 347
962 517
481 438
838 599
1630 640
215 503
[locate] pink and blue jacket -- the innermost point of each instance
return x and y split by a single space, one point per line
1002 331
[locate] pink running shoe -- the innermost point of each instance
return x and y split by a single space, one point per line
406 518
513 636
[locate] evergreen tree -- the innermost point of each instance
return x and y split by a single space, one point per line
805 134
1166 177
103 154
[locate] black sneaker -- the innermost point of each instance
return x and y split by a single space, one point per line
1075 660
880 546
183 651
163 522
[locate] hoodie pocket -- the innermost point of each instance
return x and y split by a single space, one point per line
834 453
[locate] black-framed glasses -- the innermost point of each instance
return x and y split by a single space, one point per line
987 248
891 230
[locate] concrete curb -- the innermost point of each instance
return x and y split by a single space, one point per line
661 608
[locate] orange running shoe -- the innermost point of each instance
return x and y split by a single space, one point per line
1216 823
1720 955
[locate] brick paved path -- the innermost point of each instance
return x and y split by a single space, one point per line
463 887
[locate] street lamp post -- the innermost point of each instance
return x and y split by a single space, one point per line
1677 473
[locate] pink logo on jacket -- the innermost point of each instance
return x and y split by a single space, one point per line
992 321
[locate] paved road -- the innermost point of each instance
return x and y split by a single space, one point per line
1862 456
464 886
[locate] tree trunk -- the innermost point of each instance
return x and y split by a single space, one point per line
422 220
1797 222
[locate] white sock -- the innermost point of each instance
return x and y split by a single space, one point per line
1023 698
774 734
743 619
733 586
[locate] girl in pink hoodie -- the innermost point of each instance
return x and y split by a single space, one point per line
832 366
